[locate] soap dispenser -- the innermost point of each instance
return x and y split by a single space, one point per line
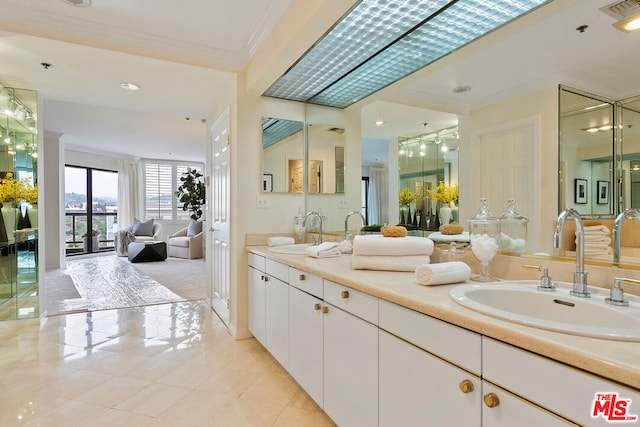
298 225
483 235
513 230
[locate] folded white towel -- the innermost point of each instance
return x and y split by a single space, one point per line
597 228
597 239
388 263
324 250
443 273
392 246
589 253
596 246
280 241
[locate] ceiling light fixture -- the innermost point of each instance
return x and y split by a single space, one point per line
129 86
629 25
461 89
592 130
380 42
379 122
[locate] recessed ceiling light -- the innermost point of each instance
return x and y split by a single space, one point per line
605 127
129 86
78 3
629 25
461 89
592 130
379 122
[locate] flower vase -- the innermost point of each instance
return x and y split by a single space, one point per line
10 218
32 214
445 215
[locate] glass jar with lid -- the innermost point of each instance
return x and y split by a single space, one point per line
513 230
483 235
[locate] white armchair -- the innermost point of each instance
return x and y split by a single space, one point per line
122 238
180 245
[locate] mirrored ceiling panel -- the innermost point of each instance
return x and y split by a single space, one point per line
275 130
379 42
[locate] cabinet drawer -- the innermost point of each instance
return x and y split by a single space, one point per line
352 301
455 344
257 262
548 383
304 281
277 270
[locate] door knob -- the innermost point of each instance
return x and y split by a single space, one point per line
211 229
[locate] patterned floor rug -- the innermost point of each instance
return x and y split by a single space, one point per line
110 282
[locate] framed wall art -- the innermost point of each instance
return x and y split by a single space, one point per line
580 191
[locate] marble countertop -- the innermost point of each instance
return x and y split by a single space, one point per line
614 360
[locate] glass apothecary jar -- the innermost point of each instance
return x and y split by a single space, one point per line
483 235
513 230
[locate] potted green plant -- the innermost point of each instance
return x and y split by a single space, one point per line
95 244
191 193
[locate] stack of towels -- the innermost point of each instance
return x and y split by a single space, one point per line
376 252
597 240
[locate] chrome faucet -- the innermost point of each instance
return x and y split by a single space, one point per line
580 276
346 221
304 223
617 230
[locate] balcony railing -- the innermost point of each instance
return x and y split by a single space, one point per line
76 226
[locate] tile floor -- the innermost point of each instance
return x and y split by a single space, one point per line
161 365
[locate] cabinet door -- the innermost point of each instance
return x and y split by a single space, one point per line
512 411
257 304
419 389
305 342
350 369
277 319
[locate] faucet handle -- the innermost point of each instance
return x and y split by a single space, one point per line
545 281
617 294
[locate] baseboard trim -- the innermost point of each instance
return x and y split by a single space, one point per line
239 334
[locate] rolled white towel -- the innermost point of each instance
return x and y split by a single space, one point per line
392 246
280 241
324 250
388 263
443 273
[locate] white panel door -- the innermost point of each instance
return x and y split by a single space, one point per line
220 215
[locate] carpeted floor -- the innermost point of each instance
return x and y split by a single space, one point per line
105 282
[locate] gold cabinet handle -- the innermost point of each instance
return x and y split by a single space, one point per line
318 306
344 294
491 400
325 310
303 277
466 386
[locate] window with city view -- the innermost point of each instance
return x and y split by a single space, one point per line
101 188
161 181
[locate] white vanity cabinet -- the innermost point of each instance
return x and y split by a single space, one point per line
268 296
306 342
350 356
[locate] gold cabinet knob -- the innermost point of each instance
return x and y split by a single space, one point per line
303 277
466 386
325 310
491 400
344 294
318 306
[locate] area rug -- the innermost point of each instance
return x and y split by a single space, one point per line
109 282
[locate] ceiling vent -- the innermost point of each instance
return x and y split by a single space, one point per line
622 9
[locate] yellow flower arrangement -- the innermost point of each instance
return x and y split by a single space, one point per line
443 193
406 196
12 190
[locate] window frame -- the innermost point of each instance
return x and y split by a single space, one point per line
176 166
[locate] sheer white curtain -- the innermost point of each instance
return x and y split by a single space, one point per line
378 195
130 192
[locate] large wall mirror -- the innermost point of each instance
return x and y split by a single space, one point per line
18 191
599 154
282 155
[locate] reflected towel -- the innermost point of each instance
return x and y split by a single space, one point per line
324 250
443 273
388 263
280 241
596 246
379 245
597 228
603 239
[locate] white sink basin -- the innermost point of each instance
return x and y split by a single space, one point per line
297 249
521 302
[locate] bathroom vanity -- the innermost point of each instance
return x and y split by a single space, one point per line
375 348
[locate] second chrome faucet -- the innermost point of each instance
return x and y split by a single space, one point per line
580 276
